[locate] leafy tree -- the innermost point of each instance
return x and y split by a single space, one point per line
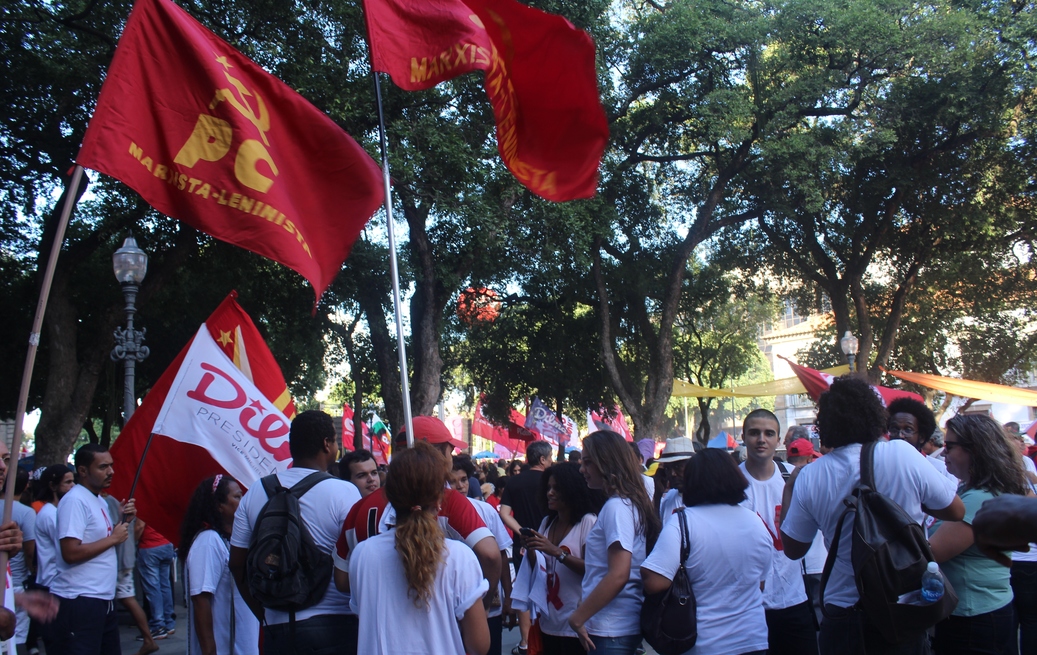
716 335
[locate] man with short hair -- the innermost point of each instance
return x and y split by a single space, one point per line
501 606
88 567
796 432
360 468
673 458
790 622
913 422
519 509
329 626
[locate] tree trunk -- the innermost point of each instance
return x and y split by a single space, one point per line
426 317
386 357
702 431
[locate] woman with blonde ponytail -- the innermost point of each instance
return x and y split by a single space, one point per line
415 591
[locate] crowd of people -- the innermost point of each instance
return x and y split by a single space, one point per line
438 554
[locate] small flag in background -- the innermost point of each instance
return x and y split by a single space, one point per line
208 137
540 77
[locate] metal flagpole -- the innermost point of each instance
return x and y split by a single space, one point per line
34 342
393 266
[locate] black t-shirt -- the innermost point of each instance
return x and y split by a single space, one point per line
520 494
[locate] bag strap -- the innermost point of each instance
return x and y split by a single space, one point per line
785 473
851 506
309 482
271 485
868 465
685 538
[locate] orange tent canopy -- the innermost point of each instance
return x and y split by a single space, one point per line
997 393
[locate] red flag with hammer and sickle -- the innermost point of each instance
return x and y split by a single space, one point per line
206 136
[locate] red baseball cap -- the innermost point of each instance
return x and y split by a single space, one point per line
801 448
432 430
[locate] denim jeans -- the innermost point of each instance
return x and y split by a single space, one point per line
327 634
616 645
154 565
981 634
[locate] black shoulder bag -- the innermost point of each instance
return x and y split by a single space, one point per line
668 621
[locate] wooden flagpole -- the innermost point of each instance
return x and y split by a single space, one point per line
34 342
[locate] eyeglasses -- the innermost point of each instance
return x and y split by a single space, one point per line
949 445
896 430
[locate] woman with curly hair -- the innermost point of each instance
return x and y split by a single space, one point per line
412 577
979 453
570 510
850 415
205 551
607 620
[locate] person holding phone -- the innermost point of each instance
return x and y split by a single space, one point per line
571 511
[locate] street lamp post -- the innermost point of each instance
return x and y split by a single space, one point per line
130 264
849 346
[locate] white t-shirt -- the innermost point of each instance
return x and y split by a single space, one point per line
649 485
902 474
1030 555
48 550
380 591
784 586
564 586
206 572
730 555
84 516
617 523
9 647
670 501
25 517
323 508
814 560
500 535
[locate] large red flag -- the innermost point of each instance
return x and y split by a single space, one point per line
817 382
208 137
540 77
173 468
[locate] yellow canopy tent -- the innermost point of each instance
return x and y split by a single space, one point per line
784 386
997 393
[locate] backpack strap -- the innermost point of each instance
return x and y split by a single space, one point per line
309 482
271 485
783 469
851 506
868 465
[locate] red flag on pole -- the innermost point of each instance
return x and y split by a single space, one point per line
540 77
206 136
174 467
817 382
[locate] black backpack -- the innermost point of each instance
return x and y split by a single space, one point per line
890 553
284 569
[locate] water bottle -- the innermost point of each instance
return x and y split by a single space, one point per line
932 583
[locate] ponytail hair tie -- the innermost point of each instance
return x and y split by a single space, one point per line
216 481
416 508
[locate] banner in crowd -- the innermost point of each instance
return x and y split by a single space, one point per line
541 80
206 136
617 423
515 436
175 464
546 422
213 405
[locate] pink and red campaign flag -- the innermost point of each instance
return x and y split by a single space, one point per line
617 423
540 77
208 137
515 436
817 383
378 445
221 406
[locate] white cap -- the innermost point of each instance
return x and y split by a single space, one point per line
932 567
